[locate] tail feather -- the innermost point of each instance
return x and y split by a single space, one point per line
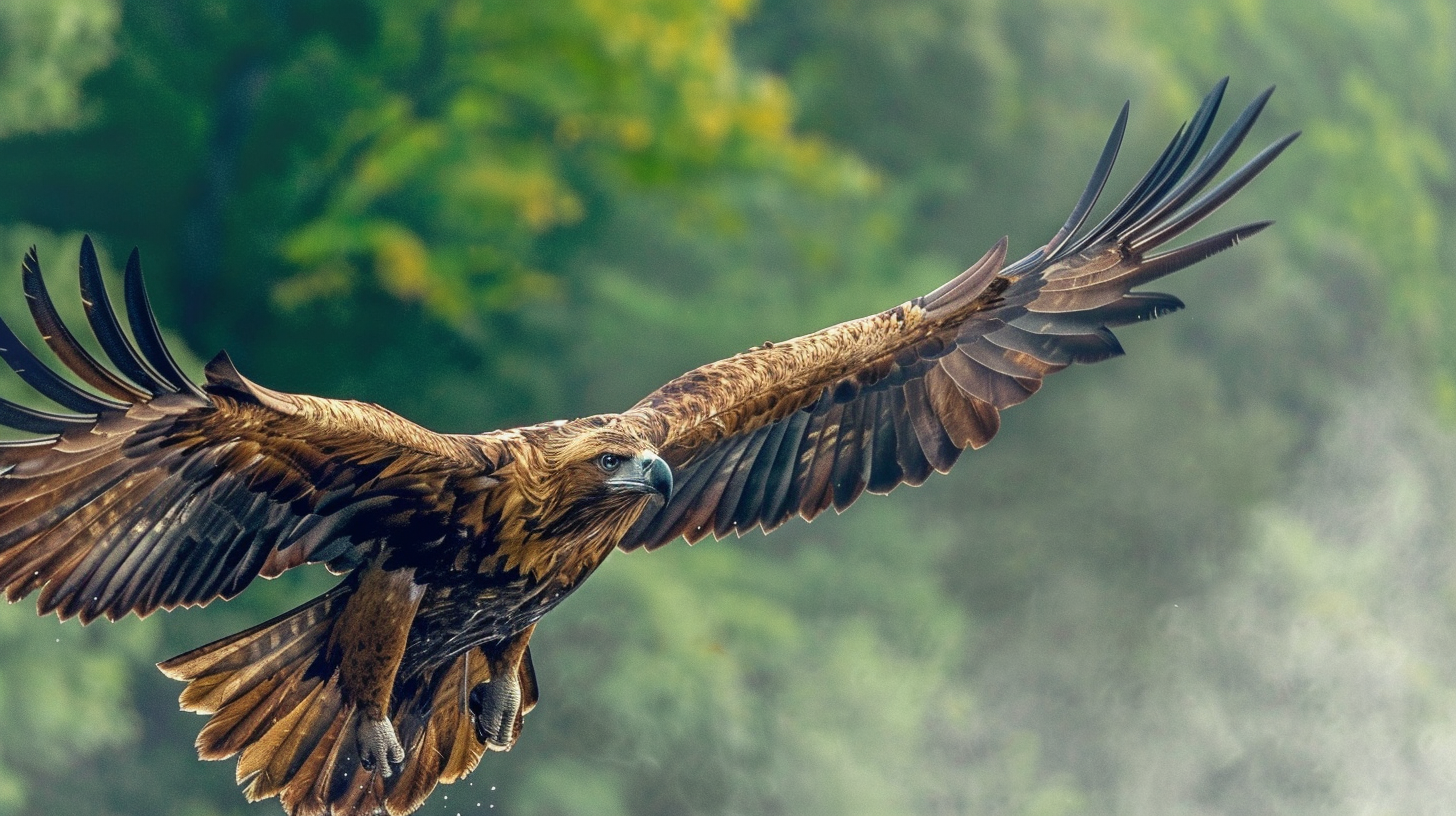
275 700
276 703
439 736
247 715
270 764
222 657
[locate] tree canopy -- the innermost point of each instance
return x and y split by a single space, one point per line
1215 576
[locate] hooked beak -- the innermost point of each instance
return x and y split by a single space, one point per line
648 473
659 476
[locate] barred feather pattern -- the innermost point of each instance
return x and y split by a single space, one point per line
273 696
158 493
794 428
144 490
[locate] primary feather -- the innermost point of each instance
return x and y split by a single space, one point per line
793 428
149 491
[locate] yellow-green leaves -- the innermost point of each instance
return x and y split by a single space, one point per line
502 123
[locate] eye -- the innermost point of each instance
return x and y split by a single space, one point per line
609 462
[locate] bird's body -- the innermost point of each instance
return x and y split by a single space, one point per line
155 492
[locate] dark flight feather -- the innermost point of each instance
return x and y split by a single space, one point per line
160 492
56 335
107 328
209 488
144 328
915 385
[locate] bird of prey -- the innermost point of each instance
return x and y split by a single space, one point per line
150 491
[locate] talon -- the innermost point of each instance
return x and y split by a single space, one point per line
378 745
495 706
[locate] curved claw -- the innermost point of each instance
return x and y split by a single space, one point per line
495 706
378 745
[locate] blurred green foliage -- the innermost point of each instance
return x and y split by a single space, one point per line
1214 577
50 47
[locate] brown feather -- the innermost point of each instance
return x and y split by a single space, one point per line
984 384
818 490
926 379
912 459
159 493
953 408
751 508
734 476
850 461
940 452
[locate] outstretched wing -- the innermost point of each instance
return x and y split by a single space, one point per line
795 427
157 493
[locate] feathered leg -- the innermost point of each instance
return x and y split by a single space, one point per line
304 699
370 637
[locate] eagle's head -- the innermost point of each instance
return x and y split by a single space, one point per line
586 473
606 455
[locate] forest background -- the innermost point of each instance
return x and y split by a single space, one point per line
1215 576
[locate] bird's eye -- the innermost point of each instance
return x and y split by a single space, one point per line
609 462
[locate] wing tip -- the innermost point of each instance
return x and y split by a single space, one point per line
147 333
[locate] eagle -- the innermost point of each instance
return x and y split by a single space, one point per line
146 490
